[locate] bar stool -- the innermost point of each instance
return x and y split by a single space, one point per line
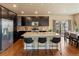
55 42
42 43
29 44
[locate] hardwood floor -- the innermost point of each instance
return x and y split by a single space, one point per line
17 50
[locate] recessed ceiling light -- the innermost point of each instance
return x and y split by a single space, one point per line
36 12
49 12
14 5
22 12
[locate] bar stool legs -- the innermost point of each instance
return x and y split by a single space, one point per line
42 42
56 40
29 44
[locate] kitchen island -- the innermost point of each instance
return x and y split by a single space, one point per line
35 43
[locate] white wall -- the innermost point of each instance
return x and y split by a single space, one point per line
76 19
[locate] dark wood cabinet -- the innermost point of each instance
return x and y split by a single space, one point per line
10 15
23 20
28 23
5 13
42 20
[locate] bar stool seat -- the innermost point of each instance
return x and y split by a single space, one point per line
42 42
29 43
55 41
28 40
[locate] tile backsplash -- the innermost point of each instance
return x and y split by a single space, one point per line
29 28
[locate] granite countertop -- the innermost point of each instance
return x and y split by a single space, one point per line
39 34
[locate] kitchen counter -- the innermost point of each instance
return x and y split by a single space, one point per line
36 35
39 34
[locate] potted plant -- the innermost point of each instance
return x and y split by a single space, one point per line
76 29
50 30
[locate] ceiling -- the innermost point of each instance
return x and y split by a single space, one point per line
43 8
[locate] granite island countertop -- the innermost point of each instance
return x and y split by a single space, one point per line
40 34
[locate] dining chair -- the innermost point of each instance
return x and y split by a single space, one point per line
73 39
66 36
77 42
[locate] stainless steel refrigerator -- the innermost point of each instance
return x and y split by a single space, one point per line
6 34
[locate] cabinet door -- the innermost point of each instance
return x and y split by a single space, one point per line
23 21
43 21
28 21
19 21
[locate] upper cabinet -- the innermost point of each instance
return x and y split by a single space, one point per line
12 15
23 20
6 13
27 20
43 21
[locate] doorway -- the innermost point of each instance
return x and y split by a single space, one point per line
61 26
